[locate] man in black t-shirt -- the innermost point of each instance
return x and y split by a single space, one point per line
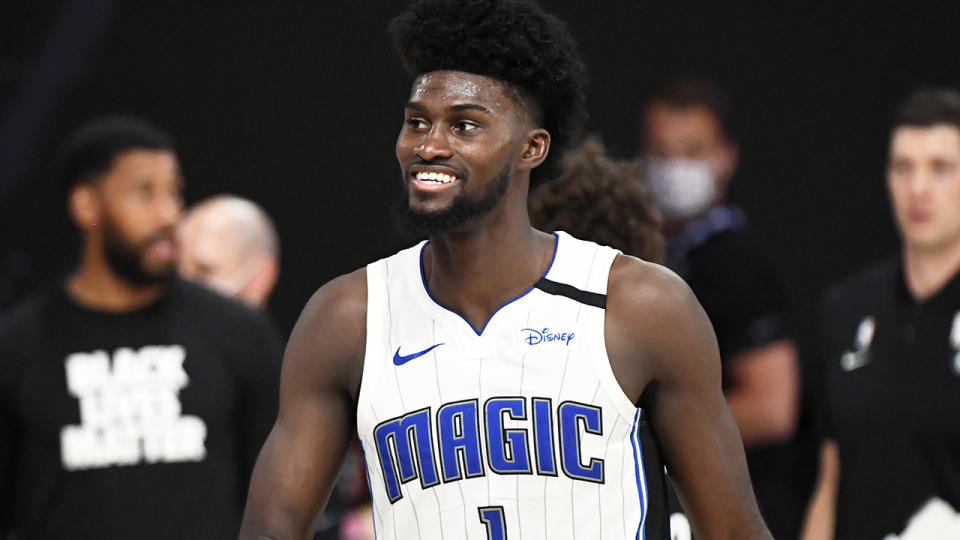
690 152
132 404
891 338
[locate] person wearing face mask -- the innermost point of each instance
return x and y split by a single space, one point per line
230 245
690 155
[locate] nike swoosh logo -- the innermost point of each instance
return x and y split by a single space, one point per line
400 359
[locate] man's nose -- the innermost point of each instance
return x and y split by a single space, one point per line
169 210
921 183
435 144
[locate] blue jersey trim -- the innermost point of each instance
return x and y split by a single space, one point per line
641 475
366 470
423 280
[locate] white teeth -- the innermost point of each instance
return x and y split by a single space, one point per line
435 177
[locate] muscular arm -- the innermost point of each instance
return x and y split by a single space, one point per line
662 346
765 392
321 371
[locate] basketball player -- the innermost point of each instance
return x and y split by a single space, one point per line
494 372
890 454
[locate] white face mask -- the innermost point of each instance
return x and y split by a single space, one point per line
681 188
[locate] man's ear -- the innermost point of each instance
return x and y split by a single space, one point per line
257 290
726 162
536 149
84 206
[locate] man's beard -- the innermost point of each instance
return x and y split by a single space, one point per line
127 260
463 209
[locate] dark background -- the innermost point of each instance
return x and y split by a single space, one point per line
297 107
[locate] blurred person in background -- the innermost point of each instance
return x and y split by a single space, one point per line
132 404
230 244
890 456
690 152
605 200
600 199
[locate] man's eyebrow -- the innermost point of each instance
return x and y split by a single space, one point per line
459 107
470 107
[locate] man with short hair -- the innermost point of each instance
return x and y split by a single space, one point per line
494 372
890 458
689 143
230 245
132 404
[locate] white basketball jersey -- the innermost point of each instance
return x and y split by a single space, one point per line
518 430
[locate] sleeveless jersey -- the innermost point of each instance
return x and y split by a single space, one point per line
518 430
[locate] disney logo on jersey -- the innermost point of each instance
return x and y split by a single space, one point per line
535 337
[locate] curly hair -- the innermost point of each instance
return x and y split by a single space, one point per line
514 41
600 199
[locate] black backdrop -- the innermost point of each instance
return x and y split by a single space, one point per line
297 105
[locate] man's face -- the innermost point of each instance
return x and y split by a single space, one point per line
923 179
212 254
139 204
461 137
692 133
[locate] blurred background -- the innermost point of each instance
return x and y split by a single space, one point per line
296 105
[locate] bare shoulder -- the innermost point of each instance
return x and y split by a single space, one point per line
652 319
638 287
328 341
340 300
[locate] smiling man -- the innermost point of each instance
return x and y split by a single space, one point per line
471 429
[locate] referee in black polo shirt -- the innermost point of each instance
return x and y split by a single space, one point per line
890 457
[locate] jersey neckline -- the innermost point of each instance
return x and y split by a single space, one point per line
423 282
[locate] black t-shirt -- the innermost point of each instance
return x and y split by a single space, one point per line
723 262
143 424
892 400
721 259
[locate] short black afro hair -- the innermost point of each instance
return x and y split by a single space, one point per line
514 41
90 151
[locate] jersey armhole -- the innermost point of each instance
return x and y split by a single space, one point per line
598 281
377 310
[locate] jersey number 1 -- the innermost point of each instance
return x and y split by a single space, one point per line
492 517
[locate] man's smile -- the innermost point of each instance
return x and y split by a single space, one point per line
426 178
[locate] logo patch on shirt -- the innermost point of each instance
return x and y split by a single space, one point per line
532 336
400 359
860 355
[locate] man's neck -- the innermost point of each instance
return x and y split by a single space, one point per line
927 271
95 285
476 271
